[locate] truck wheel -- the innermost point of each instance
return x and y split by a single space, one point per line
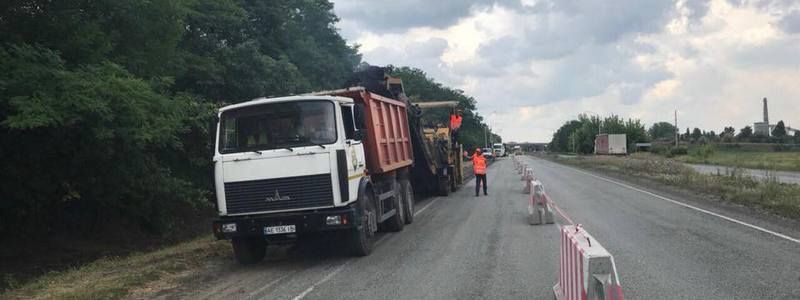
396 222
407 193
444 186
249 250
360 238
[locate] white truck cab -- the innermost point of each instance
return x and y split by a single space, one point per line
280 155
499 149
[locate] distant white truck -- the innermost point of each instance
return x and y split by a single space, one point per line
499 150
611 144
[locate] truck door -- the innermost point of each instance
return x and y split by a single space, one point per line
353 147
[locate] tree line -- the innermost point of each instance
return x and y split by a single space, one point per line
105 105
578 135
664 131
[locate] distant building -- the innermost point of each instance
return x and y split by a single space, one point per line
765 128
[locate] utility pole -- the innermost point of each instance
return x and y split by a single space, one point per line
676 128
600 127
484 136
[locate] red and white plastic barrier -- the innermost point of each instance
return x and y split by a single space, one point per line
528 177
586 269
539 210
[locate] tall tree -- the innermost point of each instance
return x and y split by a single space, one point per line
104 104
780 130
745 133
662 130
728 131
696 133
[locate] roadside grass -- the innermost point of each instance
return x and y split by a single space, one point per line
117 277
735 186
778 161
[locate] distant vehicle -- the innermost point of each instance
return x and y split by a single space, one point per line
517 149
613 144
488 153
499 150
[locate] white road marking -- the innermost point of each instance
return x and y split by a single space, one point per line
341 267
425 207
271 283
331 274
321 281
777 234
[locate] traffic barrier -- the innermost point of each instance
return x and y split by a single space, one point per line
586 269
539 210
528 176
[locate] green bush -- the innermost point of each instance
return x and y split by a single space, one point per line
703 152
676 151
89 145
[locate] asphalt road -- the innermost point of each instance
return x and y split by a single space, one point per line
780 176
467 247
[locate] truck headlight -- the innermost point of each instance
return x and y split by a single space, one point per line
228 228
333 220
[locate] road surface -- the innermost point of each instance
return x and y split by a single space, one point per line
467 247
781 176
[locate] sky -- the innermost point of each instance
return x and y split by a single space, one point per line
532 65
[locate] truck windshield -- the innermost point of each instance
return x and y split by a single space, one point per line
277 126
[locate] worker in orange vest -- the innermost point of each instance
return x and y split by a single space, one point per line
479 167
455 125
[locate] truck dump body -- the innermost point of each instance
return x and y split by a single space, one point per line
388 141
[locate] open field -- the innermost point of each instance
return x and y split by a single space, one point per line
771 195
763 160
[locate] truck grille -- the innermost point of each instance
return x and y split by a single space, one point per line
279 193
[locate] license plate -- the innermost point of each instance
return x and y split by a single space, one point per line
279 229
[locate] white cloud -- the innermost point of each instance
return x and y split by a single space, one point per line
533 65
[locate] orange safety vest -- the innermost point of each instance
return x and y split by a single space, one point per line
455 121
479 164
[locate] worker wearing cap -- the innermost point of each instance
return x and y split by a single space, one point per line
479 167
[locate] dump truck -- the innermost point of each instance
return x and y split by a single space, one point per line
337 162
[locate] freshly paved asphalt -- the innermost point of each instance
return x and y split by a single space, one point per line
467 247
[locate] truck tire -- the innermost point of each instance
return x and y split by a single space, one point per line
452 183
249 250
396 222
407 196
443 187
360 239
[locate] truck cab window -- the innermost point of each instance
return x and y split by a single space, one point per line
349 125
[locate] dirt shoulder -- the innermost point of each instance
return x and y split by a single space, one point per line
120 277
